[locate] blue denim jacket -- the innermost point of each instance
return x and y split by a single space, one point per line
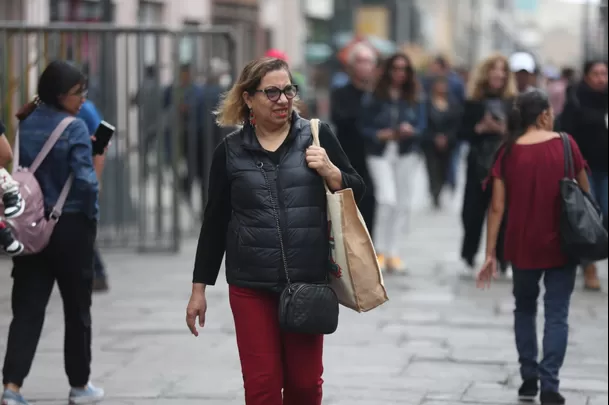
376 115
73 153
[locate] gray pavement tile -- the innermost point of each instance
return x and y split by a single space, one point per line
447 371
599 400
591 385
438 341
502 395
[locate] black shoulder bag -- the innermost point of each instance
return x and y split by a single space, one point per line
303 307
582 233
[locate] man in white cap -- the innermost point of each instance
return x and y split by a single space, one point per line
524 67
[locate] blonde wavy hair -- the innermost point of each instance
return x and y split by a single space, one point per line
478 83
233 111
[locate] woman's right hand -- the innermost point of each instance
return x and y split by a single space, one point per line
487 273
197 306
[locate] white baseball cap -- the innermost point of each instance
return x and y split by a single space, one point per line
520 61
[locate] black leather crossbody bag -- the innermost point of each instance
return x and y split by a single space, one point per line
303 307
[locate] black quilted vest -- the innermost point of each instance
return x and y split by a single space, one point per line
253 254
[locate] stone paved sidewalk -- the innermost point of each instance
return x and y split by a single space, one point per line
439 341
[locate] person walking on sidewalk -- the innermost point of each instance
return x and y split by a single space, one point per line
392 121
585 117
526 181
440 138
346 105
271 153
483 125
68 258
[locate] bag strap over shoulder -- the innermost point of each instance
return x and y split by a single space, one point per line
315 134
44 152
569 165
46 148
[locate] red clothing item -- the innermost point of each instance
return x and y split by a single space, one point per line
532 185
273 360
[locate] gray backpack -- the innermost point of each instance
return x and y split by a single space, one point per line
32 228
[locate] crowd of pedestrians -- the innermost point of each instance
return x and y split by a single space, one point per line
507 114
266 198
384 118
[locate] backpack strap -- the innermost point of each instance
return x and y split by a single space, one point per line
44 152
61 200
48 145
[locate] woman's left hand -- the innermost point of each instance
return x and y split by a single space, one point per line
318 160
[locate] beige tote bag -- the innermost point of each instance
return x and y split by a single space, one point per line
355 274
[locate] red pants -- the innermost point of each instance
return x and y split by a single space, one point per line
272 360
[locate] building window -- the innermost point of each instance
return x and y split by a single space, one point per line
150 14
78 10
188 44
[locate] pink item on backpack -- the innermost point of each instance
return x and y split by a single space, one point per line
32 228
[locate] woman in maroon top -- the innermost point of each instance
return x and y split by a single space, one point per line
525 182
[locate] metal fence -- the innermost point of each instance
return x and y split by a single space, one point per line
156 87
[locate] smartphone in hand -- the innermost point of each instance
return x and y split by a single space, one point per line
103 135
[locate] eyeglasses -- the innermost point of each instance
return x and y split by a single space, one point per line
80 93
274 93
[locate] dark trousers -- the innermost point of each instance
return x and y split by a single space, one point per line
367 207
68 259
559 284
598 186
476 202
438 165
453 167
98 265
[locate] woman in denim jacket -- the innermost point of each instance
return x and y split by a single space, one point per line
68 259
392 120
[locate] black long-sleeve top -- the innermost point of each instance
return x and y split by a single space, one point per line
444 122
584 117
473 113
212 239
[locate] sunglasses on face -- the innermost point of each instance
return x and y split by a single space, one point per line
274 93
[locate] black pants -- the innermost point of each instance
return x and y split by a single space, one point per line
68 259
98 265
437 163
367 207
475 206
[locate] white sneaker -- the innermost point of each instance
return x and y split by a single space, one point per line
12 398
89 395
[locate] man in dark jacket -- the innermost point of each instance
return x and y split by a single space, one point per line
585 118
346 105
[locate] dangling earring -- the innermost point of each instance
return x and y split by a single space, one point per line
252 118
